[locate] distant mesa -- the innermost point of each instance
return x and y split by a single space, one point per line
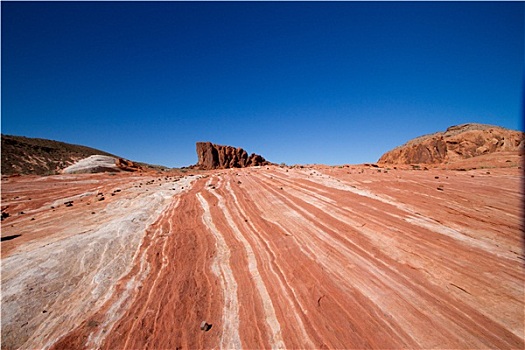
101 163
456 143
212 156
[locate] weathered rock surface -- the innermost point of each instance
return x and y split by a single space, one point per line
351 257
212 156
127 165
456 143
99 163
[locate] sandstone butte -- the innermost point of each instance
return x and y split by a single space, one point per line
266 257
212 156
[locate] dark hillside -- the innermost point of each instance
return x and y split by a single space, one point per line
24 155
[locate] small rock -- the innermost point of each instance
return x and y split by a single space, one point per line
205 326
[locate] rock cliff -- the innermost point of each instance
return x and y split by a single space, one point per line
212 156
456 143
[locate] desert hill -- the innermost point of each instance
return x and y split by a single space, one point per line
25 155
35 156
457 143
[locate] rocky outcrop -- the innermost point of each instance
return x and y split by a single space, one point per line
99 164
212 156
456 143
127 165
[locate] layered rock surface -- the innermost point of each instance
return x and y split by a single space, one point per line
350 257
212 156
455 144
100 163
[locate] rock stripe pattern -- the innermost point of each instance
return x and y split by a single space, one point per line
271 258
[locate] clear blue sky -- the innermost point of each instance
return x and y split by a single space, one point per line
314 82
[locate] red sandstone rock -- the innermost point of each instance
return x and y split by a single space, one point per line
457 143
127 165
212 156
309 258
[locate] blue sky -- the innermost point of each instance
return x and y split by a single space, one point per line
297 82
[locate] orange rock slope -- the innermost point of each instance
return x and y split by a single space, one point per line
457 143
325 257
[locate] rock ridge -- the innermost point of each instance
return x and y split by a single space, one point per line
456 143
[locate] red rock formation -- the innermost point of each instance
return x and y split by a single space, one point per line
212 156
457 143
127 165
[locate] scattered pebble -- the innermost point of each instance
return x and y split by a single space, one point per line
205 326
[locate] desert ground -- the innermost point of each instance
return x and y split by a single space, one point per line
269 257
